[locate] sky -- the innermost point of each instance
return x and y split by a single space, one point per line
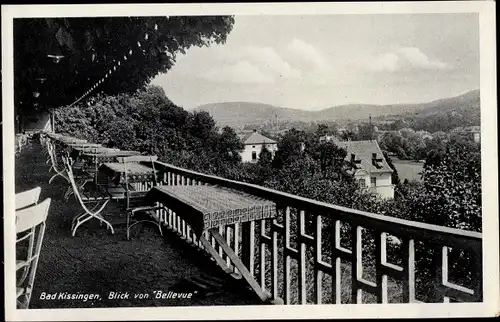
313 62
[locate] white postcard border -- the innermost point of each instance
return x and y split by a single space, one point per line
489 155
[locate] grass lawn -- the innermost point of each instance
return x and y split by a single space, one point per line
408 170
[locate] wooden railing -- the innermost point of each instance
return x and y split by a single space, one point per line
315 252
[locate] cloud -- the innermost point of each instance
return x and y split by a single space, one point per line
305 52
270 61
405 58
242 64
418 59
387 61
242 72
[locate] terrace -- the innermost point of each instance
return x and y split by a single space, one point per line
97 261
311 252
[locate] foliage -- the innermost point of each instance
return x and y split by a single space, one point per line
92 46
148 122
409 144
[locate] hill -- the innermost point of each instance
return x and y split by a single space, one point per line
238 114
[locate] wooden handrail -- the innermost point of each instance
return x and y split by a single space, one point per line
395 226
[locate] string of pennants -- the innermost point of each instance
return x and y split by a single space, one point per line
111 70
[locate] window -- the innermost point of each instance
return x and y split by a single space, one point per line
373 181
362 183
254 155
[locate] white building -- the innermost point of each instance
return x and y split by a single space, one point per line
472 132
370 168
253 144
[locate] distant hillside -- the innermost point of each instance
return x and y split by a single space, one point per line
239 114
242 113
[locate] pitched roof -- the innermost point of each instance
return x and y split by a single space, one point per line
363 150
256 138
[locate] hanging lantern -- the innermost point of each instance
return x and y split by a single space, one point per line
139 44
146 36
156 27
114 67
93 57
41 79
36 94
124 57
106 76
56 58
130 52
119 63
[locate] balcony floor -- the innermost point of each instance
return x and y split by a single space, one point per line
96 261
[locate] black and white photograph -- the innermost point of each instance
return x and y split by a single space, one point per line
240 161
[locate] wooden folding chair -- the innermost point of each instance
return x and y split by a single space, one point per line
27 222
80 175
136 202
27 198
92 202
55 164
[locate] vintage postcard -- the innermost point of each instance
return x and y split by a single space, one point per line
256 161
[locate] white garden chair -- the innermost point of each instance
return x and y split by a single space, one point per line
27 198
55 164
92 202
30 223
136 202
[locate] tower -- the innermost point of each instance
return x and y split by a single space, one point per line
370 127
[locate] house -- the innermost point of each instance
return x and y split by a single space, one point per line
472 132
253 144
369 166
327 138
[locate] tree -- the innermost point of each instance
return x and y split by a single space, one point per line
366 131
398 125
289 147
394 176
330 158
322 130
93 46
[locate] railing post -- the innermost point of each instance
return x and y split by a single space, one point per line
478 274
263 256
318 274
274 261
357 263
247 245
286 257
302 259
380 259
336 261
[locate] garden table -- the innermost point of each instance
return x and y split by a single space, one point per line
111 177
74 145
136 172
206 207
101 155
78 150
